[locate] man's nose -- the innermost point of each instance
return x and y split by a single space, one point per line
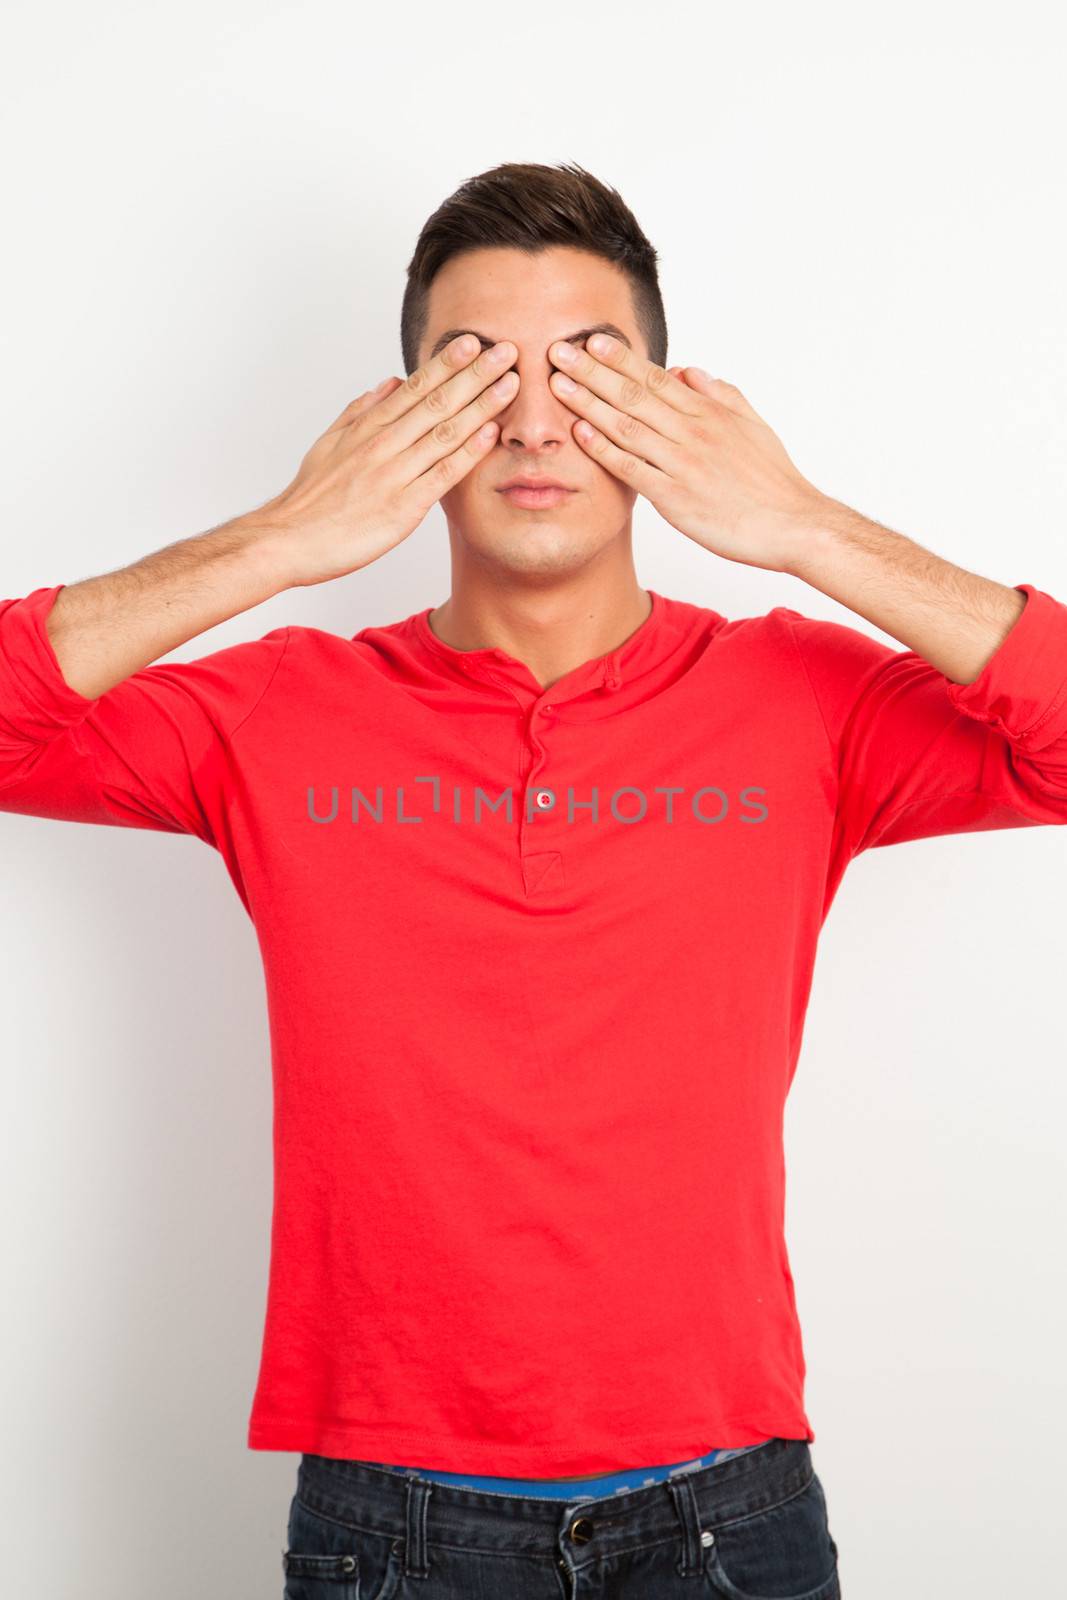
535 416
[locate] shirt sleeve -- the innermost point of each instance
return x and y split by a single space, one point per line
918 754
152 752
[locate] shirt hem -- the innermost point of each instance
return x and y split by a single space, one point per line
503 1459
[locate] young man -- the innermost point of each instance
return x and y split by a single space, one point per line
538 877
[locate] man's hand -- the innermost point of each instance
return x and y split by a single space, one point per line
374 474
710 465
691 445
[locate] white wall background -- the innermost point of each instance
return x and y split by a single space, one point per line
209 209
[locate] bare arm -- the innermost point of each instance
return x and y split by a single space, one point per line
105 628
953 618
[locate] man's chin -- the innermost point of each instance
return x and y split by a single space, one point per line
533 544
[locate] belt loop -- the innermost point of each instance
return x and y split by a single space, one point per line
418 1494
685 1504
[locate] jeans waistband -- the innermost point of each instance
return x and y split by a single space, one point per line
590 1487
422 1512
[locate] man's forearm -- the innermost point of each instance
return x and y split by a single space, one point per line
102 629
951 617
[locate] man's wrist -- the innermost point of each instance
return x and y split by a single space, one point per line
810 537
267 549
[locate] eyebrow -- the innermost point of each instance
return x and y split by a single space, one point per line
571 338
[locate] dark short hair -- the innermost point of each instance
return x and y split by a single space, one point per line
526 206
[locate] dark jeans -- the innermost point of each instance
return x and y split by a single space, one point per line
751 1527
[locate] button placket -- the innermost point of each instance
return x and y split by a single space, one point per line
544 796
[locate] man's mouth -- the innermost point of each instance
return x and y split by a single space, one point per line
534 499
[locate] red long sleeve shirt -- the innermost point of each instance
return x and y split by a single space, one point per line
530 1064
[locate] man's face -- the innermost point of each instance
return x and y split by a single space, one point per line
533 301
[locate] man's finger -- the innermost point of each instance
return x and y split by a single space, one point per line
727 394
630 383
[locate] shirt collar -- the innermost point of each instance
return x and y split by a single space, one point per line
606 673
658 650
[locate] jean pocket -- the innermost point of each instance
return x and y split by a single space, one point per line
312 1577
327 1559
784 1553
